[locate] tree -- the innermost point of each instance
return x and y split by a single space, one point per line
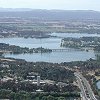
50 97
44 98
61 98
37 98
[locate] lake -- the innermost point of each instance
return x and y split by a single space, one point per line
98 84
51 43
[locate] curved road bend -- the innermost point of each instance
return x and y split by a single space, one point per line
87 85
83 93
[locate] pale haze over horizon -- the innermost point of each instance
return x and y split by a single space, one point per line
52 4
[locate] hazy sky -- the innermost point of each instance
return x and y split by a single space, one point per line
52 4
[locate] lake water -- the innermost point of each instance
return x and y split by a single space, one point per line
74 35
98 84
51 43
55 57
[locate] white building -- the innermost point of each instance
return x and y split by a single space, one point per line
38 80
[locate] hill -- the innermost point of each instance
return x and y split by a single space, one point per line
49 14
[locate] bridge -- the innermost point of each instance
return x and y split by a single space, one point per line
72 49
5 51
65 50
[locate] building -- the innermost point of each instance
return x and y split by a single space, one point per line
38 80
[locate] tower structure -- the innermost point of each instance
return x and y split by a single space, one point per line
38 80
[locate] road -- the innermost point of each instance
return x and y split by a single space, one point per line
81 86
86 87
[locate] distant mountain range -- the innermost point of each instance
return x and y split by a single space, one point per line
49 14
14 9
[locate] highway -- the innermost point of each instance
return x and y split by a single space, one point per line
83 83
83 93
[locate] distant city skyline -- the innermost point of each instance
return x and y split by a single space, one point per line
52 4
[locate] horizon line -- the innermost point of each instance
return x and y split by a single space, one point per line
50 9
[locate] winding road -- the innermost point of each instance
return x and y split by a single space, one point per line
85 87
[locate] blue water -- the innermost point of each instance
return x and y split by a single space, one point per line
56 57
75 35
98 84
51 43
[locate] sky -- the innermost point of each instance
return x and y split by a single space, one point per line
52 4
